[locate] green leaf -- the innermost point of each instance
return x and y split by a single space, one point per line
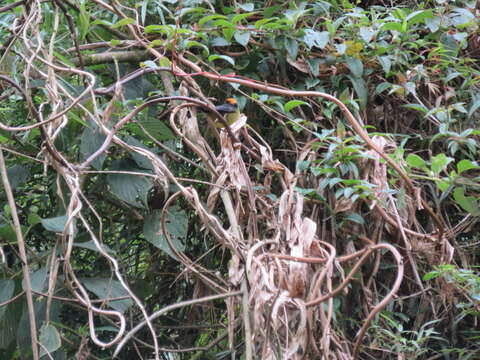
356 218
386 63
431 275
247 6
416 107
475 105
208 18
123 22
393 26
156 128
107 288
464 165
242 37
191 10
293 104
355 66
38 280
223 57
161 29
468 203
17 175
440 163
193 43
220 41
90 245
55 224
433 24
366 33
443 185
90 141
240 17
133 189
419 16
415 161
49 339
7 287
176 224
141 160
314 38
361 90
84 21
382 87
292 47
7 233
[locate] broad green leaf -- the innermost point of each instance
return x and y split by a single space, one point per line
83 21
191 10
161 29
38 280
240 17
382 87
123 22
355 66
393 26
49 339
242 37
223 57
55 224
220 41
208 18
7 287
419 16
361 90
107 288
176 224
416 107
17 175
34 219
366 33
386 63
90 141
475 105
314 65
260 23
443 185
142 161
90 245
247 6
440 163
430 275
314 38
149 64
133 189
154 127
292 47
468 203
433 23
356 218
462 17
464 165
293 104
415 161
193 43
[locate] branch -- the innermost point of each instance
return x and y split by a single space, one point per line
23 257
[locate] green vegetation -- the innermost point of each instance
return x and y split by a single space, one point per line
338 218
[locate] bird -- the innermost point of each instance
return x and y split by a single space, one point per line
229 111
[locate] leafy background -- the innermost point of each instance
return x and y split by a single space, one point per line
170 212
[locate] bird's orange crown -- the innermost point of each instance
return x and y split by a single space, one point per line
231 101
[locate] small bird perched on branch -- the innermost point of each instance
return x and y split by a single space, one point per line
229 111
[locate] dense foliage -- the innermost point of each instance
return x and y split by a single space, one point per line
337 219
